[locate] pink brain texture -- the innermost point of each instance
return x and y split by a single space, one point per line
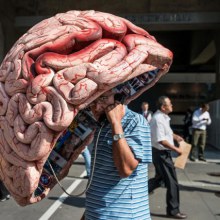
55 70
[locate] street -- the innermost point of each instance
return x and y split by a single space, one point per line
197 195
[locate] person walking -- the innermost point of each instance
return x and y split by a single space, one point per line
119 184
163 138
187 132
200 120
146 112
87 158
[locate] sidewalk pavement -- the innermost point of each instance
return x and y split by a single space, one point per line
197 196
197 188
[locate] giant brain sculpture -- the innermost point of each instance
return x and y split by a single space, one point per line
55 70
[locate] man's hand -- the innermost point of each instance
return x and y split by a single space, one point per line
115 113
177 138
179 150
167 145
123 156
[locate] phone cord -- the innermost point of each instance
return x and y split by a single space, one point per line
92 172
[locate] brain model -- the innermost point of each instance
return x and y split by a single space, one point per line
51 74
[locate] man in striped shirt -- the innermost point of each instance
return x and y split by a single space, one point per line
119 187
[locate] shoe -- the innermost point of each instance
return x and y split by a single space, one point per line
214 174
202 159
151 193
178 216
5 198
217 194
192 159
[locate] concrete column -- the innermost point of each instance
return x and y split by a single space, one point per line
217 43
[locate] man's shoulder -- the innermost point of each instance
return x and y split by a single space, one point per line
135 117
158 115
197 111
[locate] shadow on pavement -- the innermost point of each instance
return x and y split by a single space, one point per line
72 201
211 162
78 163
208 182
198 189
214 173
159 215
78 177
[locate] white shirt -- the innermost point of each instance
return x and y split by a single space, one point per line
149 116
198 119
161 130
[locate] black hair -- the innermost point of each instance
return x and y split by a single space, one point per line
145 103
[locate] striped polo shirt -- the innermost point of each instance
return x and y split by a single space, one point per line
109 196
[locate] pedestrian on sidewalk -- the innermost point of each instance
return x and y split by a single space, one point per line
187 131
119 186
163 138
200 120
146 112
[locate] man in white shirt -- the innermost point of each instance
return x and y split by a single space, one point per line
145 111
162 138
200 120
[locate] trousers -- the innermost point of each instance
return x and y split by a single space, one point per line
165 173
198 141
3 191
